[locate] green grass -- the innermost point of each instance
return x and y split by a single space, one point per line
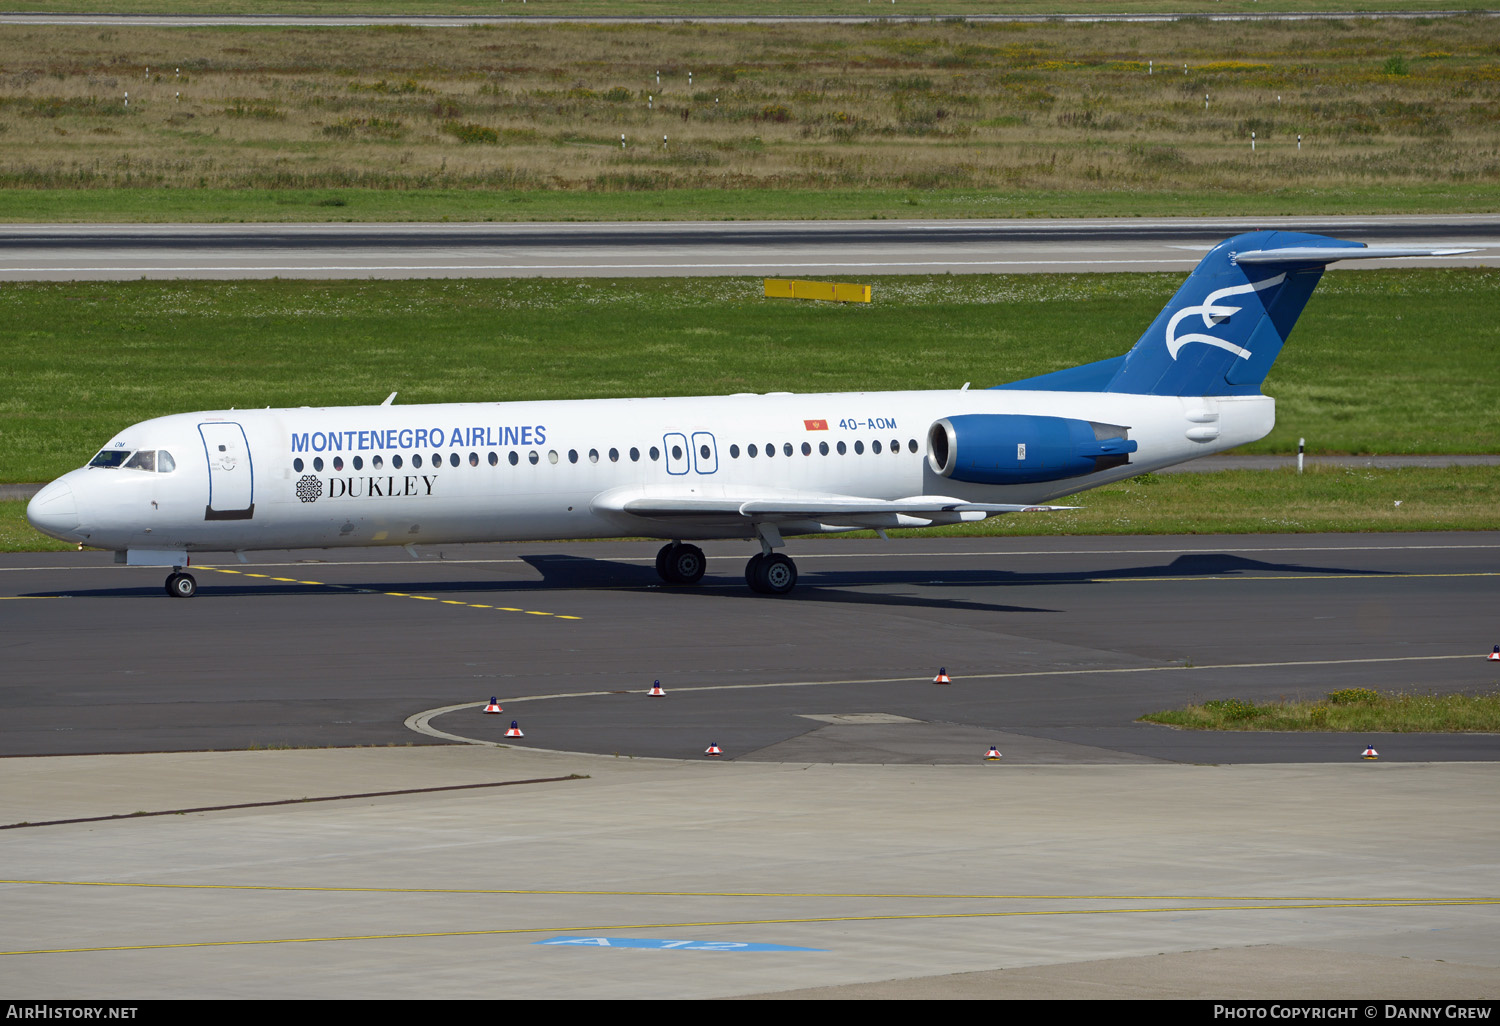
1382 361
178 205
1357 710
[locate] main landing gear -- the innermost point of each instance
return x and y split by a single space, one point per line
766 573
681 564
181 585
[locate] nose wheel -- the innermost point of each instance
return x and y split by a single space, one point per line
181 585
771 575
681 564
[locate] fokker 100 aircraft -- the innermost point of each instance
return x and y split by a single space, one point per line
757 467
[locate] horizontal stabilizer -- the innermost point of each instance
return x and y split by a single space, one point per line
1327 255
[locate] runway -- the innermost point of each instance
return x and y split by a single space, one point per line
1056 647
790 249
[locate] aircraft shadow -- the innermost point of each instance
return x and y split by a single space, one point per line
567 572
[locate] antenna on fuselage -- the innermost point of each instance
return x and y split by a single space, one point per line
388 399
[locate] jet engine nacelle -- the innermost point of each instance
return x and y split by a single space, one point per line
1005 448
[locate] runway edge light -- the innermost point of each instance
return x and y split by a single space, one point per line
993 755
656 690
1370 753
942 676
712 750
1494 656
514 731
494 706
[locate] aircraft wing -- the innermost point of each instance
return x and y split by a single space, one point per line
823 507
802 509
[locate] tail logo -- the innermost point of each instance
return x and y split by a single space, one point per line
1213 311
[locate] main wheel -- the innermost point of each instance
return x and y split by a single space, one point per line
681 564
755 573
779 574
181 586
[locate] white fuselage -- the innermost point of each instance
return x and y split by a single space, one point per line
475 472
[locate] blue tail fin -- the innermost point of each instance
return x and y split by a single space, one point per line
1225 326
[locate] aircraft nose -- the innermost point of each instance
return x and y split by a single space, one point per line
54 511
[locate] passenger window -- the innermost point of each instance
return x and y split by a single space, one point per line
552 456
297 464
377 462
703 451
453 459
514 458
806 449
533 457
896 445
859 448
677 452
359 463
143 460
734 452
416 461
437 459
614 455
911 445
635 454
655 454
318 463
822 448
396 462
473 459
572 455
593 455
786 448
843 448
494 459
338 463
770 450
875 447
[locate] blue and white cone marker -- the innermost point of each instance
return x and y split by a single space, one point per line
494 706
712 750
514 731
993 755
1370 753
942 676
656 690
1494 656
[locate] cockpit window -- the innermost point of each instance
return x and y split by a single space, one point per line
165 464
143 460
110 458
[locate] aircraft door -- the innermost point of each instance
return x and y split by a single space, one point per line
678 457
231 476
705 453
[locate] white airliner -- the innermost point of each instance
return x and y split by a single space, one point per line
740 466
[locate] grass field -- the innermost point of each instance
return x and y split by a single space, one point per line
1348 709
935 119
1382 361
731 8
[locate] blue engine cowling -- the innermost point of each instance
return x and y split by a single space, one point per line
1005 448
